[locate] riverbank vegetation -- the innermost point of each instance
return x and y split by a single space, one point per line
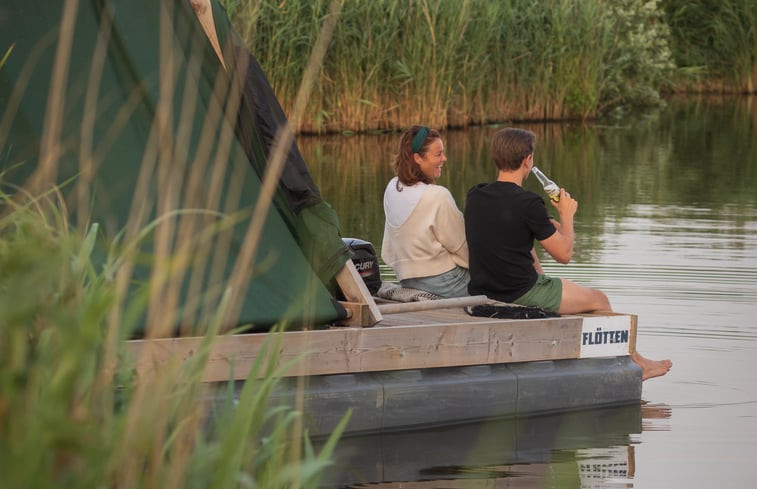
72 413
714 44
467 62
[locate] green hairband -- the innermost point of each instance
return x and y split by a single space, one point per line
419 138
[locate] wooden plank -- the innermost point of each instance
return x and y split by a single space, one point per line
355 290
428 317
204 12
632 345
352 350
399 307
357 314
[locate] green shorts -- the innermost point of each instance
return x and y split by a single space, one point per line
546 293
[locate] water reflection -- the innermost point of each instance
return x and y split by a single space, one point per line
666 226
667 203
689 159
562 450
655 416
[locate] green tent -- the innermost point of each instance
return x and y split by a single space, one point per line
128 108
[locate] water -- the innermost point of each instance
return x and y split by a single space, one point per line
667 227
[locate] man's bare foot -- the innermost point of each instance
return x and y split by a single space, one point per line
651 368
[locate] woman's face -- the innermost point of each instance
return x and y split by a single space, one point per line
433 160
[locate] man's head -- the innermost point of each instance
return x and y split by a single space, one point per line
510 146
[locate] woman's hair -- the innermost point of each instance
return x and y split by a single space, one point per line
415 140
510 146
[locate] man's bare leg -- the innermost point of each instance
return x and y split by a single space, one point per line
651 368
577 299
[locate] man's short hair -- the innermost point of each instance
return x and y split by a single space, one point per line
510 146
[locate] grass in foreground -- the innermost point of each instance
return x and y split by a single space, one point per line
73 415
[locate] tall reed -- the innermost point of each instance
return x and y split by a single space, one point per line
73 413
393 63
715 44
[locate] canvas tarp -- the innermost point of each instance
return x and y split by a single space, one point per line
141 114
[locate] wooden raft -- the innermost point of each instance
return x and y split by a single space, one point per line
400 340
423 339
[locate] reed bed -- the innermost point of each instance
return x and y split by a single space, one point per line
354 170
715 44
393 63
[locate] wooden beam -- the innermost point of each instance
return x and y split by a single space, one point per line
400 307
632 344
357 314
351 350
204 12
355 291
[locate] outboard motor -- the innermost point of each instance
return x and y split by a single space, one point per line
366 262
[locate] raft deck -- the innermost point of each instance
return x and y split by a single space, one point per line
433 367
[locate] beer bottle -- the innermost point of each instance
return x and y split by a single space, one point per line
550 187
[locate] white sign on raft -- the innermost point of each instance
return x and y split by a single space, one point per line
605 336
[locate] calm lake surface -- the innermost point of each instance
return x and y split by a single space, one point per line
667 227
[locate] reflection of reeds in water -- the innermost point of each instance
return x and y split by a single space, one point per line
352 171
71 412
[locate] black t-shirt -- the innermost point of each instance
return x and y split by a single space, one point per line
502 220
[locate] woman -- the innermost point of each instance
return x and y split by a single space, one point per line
424 234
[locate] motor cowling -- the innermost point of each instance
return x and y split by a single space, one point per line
366 262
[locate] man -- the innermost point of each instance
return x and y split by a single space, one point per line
502 221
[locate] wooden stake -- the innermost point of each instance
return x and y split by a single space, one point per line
475 300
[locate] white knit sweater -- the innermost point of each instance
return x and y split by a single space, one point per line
431 238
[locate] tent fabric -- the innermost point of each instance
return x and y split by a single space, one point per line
310 218
146 104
